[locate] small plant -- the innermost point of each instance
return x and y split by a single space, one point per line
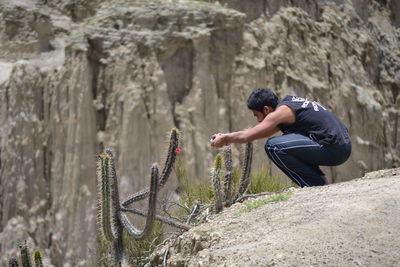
253 204
138 252
263 181
111 217
192 190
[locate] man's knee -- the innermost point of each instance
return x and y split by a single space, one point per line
271 143
269 146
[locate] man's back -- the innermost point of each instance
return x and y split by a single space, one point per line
315 121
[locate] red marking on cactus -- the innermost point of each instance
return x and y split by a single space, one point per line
178 150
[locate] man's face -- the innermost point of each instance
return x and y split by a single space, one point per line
259 115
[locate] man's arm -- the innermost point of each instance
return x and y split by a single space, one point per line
266 128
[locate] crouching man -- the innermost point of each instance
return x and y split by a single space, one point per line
312 136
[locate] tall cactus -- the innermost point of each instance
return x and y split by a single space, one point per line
108 203
215 176
104 198
111 217
116 226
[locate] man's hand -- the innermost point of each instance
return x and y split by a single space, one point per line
219 140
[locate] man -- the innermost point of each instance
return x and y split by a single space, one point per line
312 136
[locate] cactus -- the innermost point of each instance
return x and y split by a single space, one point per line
37 256
25 257
244 181
171 157
111 217
132 230
103 216
158 218
108 203
215 176
114 205
13 262
228 175
246 169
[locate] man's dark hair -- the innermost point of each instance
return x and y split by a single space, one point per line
260 98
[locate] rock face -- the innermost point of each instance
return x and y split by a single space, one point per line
78 77
346 224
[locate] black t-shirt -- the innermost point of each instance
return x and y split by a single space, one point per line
315 121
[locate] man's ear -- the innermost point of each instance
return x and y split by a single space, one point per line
267 109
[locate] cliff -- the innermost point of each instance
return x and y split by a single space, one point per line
79 76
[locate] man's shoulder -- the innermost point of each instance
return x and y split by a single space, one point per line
285 114
289 99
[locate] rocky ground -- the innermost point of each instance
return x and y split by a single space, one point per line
353 223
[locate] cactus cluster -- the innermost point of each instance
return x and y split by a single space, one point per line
224 196
26 257
111 213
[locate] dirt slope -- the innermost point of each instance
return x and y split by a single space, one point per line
353 223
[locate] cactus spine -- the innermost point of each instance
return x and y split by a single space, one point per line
111 217
215 176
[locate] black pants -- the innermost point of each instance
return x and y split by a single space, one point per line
299 157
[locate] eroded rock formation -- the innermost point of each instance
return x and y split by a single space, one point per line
78 77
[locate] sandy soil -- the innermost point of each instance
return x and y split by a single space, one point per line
355 223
